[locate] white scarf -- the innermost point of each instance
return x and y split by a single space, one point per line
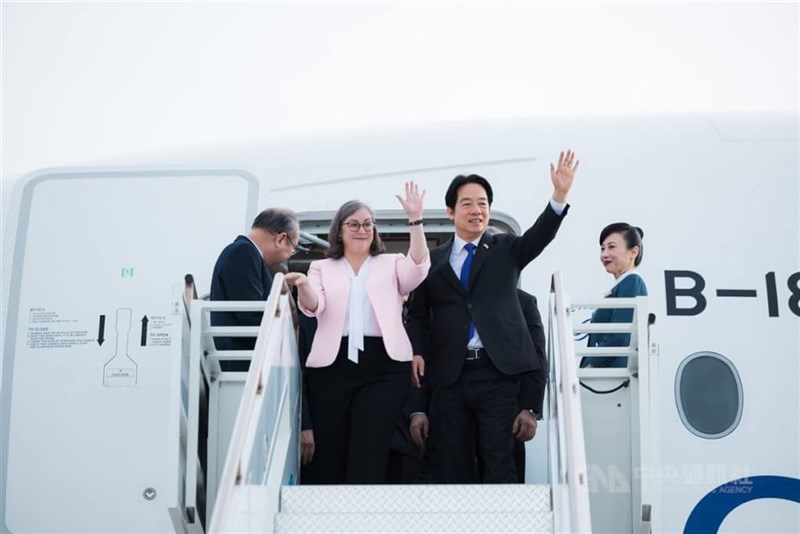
355 341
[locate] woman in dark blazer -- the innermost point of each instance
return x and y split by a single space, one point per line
621 252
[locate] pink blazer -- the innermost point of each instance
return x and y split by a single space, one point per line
391 277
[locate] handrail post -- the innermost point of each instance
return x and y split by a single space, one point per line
648 423
193 415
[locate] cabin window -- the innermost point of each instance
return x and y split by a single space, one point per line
708 394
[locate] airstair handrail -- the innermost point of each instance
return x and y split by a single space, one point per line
263 451
570 471
201 347
641 381
632 351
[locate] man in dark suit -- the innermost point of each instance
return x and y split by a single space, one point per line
532 383
468 332
242 271
531 397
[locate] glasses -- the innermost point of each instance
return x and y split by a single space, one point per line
294 250
355 226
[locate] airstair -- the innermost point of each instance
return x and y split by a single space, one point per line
258 488
258 491
235 456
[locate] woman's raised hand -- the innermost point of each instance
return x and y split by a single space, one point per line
412 204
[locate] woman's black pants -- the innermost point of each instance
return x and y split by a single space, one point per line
354 408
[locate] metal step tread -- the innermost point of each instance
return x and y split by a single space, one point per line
505 522
421 498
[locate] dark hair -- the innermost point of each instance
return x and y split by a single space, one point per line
336 249
451 196
631 234
277 221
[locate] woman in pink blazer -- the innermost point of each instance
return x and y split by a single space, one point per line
359 369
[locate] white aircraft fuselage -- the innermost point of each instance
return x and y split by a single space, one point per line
717 198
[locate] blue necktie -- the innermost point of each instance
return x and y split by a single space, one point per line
465 279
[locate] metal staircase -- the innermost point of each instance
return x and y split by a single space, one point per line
257 489
258 492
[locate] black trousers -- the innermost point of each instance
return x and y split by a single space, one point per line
478 410
427 471
403 468
519 462
355 407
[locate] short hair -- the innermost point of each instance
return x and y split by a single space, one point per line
451 196
336 249
277 221
631 234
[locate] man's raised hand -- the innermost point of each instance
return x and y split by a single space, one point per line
563 174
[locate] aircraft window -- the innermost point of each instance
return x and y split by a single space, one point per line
708 393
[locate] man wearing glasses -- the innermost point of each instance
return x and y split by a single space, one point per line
243 272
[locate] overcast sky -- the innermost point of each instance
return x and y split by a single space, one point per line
89 80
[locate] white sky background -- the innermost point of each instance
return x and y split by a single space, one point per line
90 80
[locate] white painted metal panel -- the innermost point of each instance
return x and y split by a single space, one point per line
89 443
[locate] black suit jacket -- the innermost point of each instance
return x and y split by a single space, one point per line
239 274
440 309
533 383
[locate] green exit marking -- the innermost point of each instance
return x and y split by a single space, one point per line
127 272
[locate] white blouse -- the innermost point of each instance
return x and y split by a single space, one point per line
360 319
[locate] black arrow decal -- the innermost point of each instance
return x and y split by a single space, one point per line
144 331
101 330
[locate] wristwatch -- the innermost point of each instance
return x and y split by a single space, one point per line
536 415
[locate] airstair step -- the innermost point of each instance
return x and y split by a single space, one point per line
436 498
505 522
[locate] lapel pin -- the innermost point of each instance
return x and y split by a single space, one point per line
486 246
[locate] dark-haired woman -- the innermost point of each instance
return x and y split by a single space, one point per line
359 367
621 252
